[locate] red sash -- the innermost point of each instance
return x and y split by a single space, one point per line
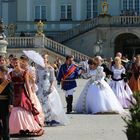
67 74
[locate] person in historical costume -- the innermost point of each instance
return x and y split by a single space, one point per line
99 60
6 62
2 60
97 96
6 103
67 74
135 78
119 85
23 118
48 95
83 64
24 64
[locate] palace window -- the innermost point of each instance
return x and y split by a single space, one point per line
40 12
88 9
130 4
92 8
124 4
130 7
66 12
137 6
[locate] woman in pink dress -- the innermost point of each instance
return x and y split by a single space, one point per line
23 118
24 64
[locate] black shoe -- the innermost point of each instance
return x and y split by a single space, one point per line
54 123
68 112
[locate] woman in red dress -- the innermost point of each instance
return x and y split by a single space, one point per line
23 118
135 79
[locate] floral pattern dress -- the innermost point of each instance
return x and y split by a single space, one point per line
50 98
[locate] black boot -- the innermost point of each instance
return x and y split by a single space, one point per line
69 101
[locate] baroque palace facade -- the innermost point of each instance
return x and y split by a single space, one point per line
88 26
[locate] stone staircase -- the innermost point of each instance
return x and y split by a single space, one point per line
17 44
102 21
85 26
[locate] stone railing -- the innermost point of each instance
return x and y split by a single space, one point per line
125 20
63 50
77 30
28 42
88 25
15 42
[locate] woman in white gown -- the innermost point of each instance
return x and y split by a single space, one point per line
119 86
97 96
48 95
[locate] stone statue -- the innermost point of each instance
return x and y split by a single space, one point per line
104 7
2 35
3 42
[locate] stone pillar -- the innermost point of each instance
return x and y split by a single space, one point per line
121 4
28 5
78 9
104 20
53 10
39 41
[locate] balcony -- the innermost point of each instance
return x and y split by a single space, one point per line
125 20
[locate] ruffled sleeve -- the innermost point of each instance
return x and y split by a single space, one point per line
100 73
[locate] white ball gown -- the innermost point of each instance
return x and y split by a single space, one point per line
121 88
51 102
97 96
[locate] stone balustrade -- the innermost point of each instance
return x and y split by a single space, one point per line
62 49
16 42
88 25
83 27
125 20
28 42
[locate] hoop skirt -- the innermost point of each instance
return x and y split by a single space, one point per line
97 96
50 99
23 116
121 88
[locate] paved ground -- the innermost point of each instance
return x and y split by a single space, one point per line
85 127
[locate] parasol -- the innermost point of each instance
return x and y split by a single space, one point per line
35 56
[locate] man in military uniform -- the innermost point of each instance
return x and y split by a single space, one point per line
67 74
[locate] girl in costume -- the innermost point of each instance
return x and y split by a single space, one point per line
97 96
23 118
48 95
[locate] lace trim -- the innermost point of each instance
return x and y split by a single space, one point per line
84 99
